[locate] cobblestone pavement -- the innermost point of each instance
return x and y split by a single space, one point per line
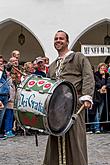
22 150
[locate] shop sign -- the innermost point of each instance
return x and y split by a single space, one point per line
95 50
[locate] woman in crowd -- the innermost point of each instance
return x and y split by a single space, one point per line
101 77
28 70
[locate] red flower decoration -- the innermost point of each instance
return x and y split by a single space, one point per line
48 85
31 83
41 82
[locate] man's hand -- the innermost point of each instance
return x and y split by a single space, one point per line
87 105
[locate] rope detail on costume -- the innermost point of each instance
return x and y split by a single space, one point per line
64 151
61 150
59 67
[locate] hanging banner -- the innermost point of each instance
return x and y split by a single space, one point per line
95 50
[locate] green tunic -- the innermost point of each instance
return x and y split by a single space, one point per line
76 69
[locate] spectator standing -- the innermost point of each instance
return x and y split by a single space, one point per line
9 113
16 54
101 77
4 93
28 70
39 66
15 70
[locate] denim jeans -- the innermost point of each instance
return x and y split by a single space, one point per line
98 116
8 120
4 100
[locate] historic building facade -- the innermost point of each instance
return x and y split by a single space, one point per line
29 26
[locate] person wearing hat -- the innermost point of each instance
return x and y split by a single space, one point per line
39 66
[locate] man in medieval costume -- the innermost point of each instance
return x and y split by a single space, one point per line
71 149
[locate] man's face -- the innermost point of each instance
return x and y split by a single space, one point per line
60 41
14 61
41 64
16 54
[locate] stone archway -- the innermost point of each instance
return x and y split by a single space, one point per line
10 29
93 35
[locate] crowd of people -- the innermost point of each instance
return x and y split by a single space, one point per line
11 75
99 116
93 88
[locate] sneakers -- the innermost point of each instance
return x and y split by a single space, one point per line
3 137
97 132
9 134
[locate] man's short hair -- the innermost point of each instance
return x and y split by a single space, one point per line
67 36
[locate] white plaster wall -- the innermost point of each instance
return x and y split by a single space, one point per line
45 17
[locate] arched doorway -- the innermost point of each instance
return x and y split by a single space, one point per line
9 31
93 35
